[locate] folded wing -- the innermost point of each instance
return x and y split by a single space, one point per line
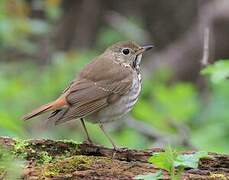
93 90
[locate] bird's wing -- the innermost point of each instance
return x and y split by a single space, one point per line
100 83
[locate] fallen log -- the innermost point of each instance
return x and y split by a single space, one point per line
49 159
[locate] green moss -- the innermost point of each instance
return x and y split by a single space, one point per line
20 148
24 150
44 157
73 146
20 144
68 165
44 153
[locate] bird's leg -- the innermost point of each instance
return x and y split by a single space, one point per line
85 129
108 137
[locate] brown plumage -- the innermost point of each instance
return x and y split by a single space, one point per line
99 87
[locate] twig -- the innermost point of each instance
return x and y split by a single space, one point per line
184 133
144 128
161 139
206 45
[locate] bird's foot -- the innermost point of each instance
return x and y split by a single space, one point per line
88 141
116 150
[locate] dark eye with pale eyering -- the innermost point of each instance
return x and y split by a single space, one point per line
126 51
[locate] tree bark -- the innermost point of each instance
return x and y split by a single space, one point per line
49 159
184 55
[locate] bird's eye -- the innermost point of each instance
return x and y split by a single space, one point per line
126 51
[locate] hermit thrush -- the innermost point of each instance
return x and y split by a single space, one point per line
104 91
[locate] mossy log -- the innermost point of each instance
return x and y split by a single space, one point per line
49 159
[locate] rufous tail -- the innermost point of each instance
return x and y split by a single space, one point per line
38 111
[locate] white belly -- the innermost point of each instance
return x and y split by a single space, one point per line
119 108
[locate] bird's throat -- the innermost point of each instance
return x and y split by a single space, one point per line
136 63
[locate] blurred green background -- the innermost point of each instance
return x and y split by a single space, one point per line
45 43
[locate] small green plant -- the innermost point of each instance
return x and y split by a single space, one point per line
152 176
175 163
189 160
165 160
44 157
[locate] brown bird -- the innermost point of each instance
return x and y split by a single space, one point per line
104 91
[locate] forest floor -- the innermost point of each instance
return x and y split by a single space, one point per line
49 159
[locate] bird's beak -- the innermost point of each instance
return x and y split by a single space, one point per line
144 48
148 47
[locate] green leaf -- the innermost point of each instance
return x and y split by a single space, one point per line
170 159
189 160
219 71
164 160
152 176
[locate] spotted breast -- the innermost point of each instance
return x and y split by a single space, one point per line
122 106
